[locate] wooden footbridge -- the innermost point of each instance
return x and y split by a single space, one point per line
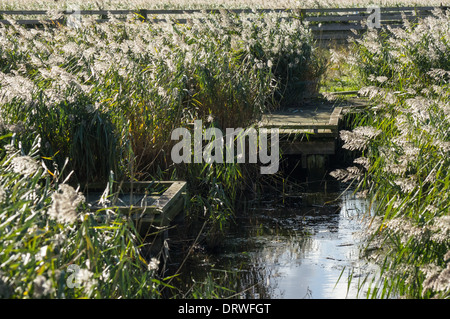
326 24
310 131
153 206
154 203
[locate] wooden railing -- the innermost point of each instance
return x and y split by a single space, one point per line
326 24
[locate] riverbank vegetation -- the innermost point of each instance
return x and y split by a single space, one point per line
203 4
96 103
404 145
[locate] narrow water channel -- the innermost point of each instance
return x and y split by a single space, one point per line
296 247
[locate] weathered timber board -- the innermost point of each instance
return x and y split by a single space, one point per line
146 207
308 130
316 119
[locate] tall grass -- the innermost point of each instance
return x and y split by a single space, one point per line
45 230
404 145
104 99
203 4
127 85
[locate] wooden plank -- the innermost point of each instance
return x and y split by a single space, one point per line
336 18
237 11
382 9
241 11
386 9
104 12
343 33
334 27
335 117
82 12
166 206
172 211
399 17
337 27
335 36
144 184
148 209
307 120
309 126
182 11
390 16
289 132
305 135
331 27
23 12
320 120
328 10
170 196
149 11
351 18
324 27
34 22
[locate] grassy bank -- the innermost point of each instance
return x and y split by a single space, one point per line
403 142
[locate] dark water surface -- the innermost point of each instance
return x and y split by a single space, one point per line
296 247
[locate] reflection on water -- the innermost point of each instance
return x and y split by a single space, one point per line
290 250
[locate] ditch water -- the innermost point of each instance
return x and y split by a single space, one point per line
301 246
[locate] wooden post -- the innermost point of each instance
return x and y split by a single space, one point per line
302 14
143 15
104 17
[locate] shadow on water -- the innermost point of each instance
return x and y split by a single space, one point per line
300 246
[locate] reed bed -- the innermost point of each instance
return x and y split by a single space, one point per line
96 102
202 4
52 247
403 147
102 90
